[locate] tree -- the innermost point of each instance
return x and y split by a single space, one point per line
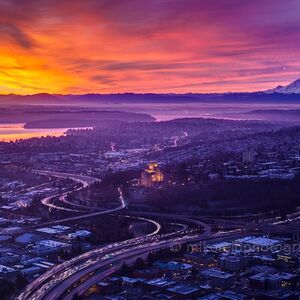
21 281
139 264
125 269
151 258
194 272
76 297
6 289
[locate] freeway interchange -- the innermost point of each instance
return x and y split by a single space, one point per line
75 276
54 283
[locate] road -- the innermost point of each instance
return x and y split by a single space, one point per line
156 224
66 279
86 181
56 281
82 179
122 205
114 261
109 266
183 218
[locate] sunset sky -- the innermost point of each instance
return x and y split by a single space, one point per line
109 46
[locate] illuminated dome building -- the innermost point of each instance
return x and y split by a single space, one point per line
151 175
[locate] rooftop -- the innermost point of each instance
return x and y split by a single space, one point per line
219 246
79 233
216 273
263 242
173 265
49 230
183 289
160 282
50 244
5 269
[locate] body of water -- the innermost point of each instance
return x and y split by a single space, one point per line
161 111
13 132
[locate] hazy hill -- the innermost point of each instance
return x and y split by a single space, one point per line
283 115
30 99
65 117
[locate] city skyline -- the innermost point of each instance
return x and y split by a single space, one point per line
147 46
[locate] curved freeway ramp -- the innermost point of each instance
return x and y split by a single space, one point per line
77 208
54 283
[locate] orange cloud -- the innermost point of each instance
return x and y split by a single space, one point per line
147 46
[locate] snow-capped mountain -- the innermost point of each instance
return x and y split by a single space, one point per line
292 88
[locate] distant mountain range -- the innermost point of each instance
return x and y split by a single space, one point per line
292 88
288 93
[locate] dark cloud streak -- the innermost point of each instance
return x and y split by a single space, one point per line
18 35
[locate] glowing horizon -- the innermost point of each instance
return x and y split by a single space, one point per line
147 46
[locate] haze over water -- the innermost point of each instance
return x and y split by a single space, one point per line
161 111
16 131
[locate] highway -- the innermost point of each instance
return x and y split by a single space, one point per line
114 260
109 266
82 179
183 218
56 281
122 205
66 279
156 224
85 181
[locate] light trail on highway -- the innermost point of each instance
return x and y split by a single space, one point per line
86 181
60 280
83 264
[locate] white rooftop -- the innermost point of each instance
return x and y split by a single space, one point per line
61 227
219 246
50 244
262 241
5 269
48 230
244 239
79 233
54 229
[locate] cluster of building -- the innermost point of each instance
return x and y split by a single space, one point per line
32 253
85 161
247 268
282 148
269 167
24 198
20 194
